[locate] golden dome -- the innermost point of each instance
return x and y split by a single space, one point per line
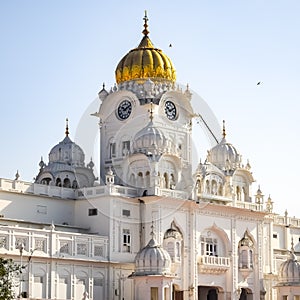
145 62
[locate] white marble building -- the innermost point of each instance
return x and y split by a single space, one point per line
153 228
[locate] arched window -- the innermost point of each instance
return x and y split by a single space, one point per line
140 179
147 178
67 183
125 148
177 251
214 187
112 149
251 258
170 248
58 182
198 186
172 182
207 187
46 181
238 193
220 190
246 246
244 259
75 184
245 194
214 242
173 243
132 180
161 180
166 178
209 246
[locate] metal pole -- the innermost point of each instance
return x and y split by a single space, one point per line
21 248
123 278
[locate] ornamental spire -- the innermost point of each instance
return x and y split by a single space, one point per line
151 111
145 31
67 127
152 230
292 246
224 131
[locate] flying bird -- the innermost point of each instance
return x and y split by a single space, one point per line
170 45
259 83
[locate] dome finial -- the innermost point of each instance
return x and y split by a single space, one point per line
152 230
67 127
151 111
292 245
145 31
224 131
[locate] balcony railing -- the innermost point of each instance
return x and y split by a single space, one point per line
52 243
23 187
36 189
250 205
171 193
214 198
213 264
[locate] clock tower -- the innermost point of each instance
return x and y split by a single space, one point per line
146 123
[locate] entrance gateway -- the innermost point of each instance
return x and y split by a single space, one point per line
213 293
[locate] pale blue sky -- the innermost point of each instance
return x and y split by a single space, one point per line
56 54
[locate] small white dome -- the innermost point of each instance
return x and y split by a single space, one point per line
173 232
246 241
103 93
152 260
67 152
289 272
149 139
66 167
224 156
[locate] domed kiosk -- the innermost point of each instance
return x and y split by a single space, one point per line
224 175
152 260
150 140
289 277
66 167
224 155
152 273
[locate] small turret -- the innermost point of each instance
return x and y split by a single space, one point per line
259 197
110 177
66 167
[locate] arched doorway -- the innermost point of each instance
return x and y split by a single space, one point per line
177 294
246 294
207 293
212 294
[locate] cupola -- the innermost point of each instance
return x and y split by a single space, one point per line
224 155
145 62
67 152
289 272
173 232
152 260
150 140
66 167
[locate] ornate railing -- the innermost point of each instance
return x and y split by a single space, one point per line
213 264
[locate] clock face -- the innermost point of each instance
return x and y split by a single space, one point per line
124 110
170 110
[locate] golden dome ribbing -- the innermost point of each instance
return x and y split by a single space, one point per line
145 62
